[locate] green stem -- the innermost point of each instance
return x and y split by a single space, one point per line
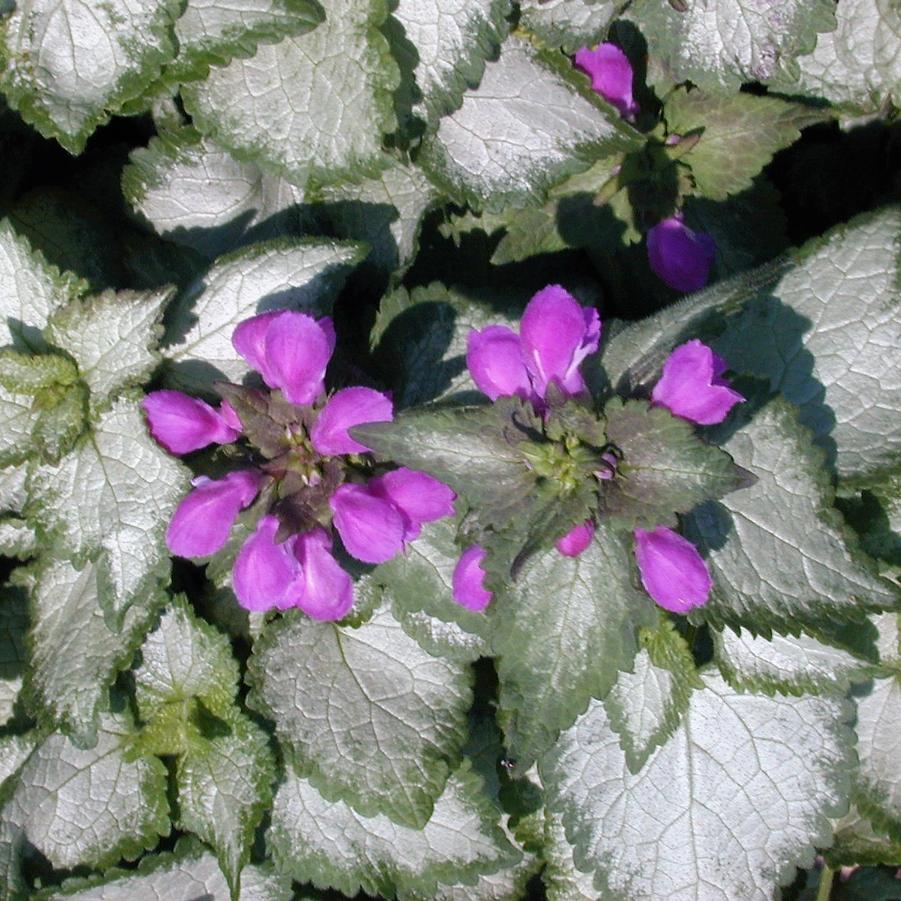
825 890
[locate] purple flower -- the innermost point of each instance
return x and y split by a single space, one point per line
182 424
267 574
611 76
576 540
203 519
680 256
417 496
672 571
692 385
468 579
371 527
290 350
556 334
343 410
328 592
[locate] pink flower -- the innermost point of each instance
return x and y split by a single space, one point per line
182 424
343 410
692 385
468 580
556 334
576 540
290 350
680 256
672 571
202 521
611 76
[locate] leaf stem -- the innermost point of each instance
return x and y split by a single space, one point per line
827 874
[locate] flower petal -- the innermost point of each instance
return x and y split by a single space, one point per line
249 340
297 351
230 417
468 581
202 522
576 539
672 571
611 75
182 424
419 497
343 410
267 575
680 256
692 386
557 334
371 528
328 590
494 359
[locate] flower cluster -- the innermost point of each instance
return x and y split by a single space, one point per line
556 334
678 255
311 476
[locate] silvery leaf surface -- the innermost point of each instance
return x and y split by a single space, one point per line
367 715
529 124
312 105
735 800
110 500
70 64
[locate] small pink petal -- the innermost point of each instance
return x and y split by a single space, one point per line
343 410
494 359
202 521
576 540
182 424
691 385
371 528
249 340
611 76
557 334
230 417
468 580
419 497
679 256
672 571
267 575
297 351
328 590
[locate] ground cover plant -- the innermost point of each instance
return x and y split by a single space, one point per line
449 449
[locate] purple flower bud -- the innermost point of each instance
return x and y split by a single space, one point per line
576 540
557 334
267 575
494 359
468 580
182 424
343 410
328 592
692 386
611 76
672 571
418 497
202 521
371 528
680 256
